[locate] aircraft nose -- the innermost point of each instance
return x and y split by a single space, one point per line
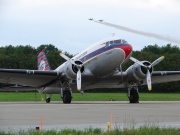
127 49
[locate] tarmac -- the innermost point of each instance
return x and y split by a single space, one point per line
15 116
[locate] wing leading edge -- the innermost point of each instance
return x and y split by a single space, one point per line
165 76
35 78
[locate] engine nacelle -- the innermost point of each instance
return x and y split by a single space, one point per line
137 71
71 69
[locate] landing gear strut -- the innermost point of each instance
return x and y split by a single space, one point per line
133 95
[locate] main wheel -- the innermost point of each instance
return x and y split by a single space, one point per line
67 97
134 96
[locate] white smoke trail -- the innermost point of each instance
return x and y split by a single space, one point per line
169 39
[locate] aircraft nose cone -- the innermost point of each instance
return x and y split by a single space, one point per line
127 49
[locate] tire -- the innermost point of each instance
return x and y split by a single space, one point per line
48 100
134 96
67 97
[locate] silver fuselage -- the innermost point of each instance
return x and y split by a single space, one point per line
100 61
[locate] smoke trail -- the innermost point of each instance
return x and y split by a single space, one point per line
140 32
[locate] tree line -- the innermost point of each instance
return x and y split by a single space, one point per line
25 57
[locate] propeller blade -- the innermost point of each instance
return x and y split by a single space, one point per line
157 61
121 72
64 56
67 58
149 80
79 80
137 61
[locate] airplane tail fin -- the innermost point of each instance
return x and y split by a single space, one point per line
42 61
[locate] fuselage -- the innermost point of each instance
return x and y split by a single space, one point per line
104 57
101 60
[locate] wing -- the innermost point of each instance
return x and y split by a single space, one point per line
37 78
34 78
121 79
165 76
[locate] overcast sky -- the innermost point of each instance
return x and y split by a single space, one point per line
65 24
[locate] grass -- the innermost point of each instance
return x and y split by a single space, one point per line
32 96
144 130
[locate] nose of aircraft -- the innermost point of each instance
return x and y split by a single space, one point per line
127 49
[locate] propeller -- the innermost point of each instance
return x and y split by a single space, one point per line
79 66
78 79
148 74
66 58
149 80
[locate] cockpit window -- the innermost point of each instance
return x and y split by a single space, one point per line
124 41
107 44
111 42
117 41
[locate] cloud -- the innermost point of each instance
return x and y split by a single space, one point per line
53 21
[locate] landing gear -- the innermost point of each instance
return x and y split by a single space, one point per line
133 95
67 97
48 99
